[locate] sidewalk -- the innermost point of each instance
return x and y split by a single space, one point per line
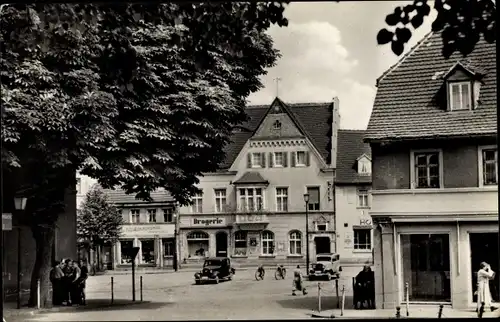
416 312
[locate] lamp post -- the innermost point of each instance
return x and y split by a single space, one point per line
176 237
306 200
20 205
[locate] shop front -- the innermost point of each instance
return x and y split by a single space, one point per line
155 242
204 236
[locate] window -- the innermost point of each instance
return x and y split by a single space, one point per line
321 227
281 199
364 166
362 239
490 166
134 216
197 206
301 158
295 243
151 215
267 243
278 159
251 199
277 125
198 244
363 196
220 200
168 214
313 198
168 247
427 170
256 160
240 243
460 96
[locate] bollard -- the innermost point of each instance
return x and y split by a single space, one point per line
38 293
343 301
440 314
112 290
140 286
398 312
337 292
407 298
319 297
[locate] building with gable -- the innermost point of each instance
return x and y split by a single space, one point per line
433 134
253 208
353 198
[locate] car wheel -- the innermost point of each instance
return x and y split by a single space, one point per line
230 277
198 282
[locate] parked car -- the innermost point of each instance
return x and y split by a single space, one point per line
215 269
326 266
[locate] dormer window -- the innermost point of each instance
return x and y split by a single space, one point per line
460 95
277 125
364 165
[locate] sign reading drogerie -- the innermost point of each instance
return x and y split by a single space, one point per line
208 221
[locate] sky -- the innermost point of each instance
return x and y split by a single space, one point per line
330 49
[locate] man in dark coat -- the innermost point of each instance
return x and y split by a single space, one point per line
75 283
56 278
365 287
84 274
66 289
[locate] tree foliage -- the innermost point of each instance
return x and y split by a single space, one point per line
138 96
462 23
98 221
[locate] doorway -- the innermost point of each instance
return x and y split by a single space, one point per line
484 248
221 244
322 245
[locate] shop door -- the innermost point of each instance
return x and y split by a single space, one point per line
221 244
484 248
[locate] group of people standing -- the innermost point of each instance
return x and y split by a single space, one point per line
68 282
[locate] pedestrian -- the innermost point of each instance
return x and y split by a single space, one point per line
365 288
75 283
484 275
298 282
56 277
84 274
66 282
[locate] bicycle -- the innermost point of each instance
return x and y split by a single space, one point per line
280 272
259 273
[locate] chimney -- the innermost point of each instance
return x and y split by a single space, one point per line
335 129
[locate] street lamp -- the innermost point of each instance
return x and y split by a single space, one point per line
306 200
20 205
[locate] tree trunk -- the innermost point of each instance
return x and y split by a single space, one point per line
98 251
44 239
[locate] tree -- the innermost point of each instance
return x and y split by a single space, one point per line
138 96
98 222
462 23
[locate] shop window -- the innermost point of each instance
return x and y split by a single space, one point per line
198 244
126 251
362 239
267 243
295 243
148 251
240 243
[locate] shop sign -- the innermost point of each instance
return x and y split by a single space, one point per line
147 230
6 221
251 218
366 221
208 221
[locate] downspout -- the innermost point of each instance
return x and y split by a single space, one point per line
334 211
382 265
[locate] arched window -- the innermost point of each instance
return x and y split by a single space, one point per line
277 125
295 242
198 244
267 243
240 243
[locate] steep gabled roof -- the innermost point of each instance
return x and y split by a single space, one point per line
315 120
119 197
409 100
350 147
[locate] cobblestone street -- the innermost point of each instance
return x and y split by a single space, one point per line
174 296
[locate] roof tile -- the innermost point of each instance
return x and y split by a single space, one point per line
350 147
119 196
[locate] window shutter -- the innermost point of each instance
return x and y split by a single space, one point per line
249 160
263 160
285 161
271 160
307 158
293 155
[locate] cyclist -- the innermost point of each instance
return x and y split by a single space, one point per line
281 270
261 271
298 281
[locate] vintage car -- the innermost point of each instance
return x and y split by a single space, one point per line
215 269
326 266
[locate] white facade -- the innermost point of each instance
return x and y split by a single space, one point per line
83 185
